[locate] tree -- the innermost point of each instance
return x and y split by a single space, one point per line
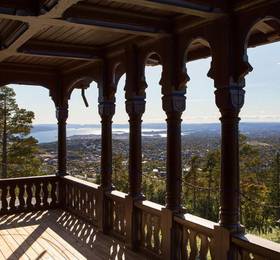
18 149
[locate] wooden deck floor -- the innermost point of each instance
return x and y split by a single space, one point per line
56 235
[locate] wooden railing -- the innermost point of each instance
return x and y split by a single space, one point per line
191 237
117 220
253 247
28 194
80 198
194 237
149 225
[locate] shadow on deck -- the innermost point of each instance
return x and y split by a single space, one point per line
56 234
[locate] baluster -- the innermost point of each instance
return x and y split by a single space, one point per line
67 195
37 195
91 208
75 199
86 205
94 206
211 248
185 242
156 234
193 245
122 218
21 193
12 205
149 233
45 194
4 201
83 202
53 193
144 229
117 216
204 246
28 196
80 202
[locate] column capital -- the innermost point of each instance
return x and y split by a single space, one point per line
174 103
62 113
107 108
230 99
135 106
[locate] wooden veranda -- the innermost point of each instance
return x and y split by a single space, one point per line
66 44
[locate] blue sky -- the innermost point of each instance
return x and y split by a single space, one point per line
261 101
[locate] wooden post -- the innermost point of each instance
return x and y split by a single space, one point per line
173 105
62 115
106 111
229 101
135 108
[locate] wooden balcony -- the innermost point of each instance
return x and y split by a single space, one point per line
63 218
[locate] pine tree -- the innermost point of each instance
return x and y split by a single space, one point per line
18 149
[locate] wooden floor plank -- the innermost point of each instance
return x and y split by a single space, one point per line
57 235
21 241
43 253
5 249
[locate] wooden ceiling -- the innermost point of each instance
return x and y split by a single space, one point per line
67 33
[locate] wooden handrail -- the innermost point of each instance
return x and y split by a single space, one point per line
198 224
27 178
149 206
257 246
79 181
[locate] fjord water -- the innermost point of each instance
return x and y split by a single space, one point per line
48 132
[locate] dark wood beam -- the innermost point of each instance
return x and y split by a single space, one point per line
118 20
11 73
27 7
55 49
36 23
179 6
14 35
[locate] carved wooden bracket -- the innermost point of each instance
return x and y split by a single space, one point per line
107 108
174 103
62 114
230 98
135 106
135 84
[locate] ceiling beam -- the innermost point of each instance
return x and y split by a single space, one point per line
30 25
55 50
123 21
179 6
11 73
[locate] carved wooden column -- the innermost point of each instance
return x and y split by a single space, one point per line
229 101
174 105
62 115
228 69
106 111
135 108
